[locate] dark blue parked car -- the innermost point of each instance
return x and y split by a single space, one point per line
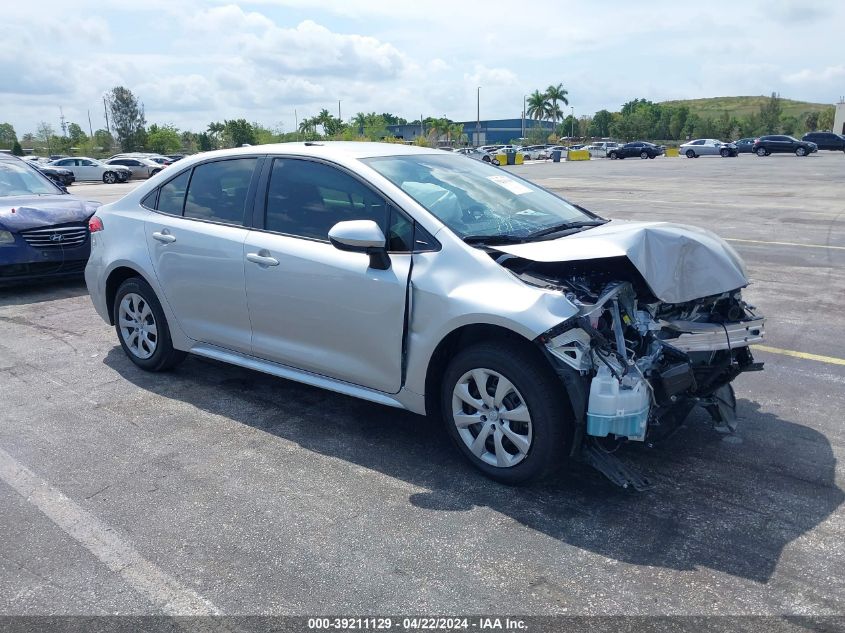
43 230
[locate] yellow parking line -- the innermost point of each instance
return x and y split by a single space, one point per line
733 239
788 352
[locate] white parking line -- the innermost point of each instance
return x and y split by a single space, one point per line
735 239
164 591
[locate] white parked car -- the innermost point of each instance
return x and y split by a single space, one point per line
418 279
85 168
707 147
140 167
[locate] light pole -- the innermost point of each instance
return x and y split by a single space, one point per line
572 127
523 115
478 117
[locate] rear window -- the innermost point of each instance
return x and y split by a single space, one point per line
217 191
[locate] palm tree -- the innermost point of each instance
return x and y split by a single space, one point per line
539 106
455 133
360 120
553 95
438 128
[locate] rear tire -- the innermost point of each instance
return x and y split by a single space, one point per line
530 445
761 151
142 327
613 156
643 155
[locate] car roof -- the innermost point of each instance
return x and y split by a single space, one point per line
327 149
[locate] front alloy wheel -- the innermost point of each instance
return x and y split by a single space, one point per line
109 178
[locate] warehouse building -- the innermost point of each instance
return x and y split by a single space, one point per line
487 132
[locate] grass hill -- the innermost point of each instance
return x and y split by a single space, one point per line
713 107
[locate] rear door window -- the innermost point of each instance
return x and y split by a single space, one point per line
217 191
171 198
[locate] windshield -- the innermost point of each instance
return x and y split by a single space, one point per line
476 199
18 179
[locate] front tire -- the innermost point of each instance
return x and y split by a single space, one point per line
761 151
643 155
109 177
613 156
142 327
725 153
690 153
800 151
504 409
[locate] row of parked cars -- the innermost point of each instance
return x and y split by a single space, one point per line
766 145
66 170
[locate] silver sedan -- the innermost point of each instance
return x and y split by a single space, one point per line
537 331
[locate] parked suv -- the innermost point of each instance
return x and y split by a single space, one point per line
780 143
826 140
418 279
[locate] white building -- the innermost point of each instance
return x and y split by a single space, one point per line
839 117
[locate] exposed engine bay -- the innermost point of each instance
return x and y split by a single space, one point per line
634 366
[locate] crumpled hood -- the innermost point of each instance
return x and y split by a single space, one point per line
678 262
34 211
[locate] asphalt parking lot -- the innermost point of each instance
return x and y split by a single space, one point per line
218 489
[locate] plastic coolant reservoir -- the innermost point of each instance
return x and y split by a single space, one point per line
617 409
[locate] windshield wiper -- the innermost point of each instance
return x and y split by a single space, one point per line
578 224
493 239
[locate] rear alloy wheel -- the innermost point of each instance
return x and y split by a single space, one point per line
690 153
800 151
761 151
142 327
109 177
643 155
503 408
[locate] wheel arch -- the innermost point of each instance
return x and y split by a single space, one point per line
458 339
116 277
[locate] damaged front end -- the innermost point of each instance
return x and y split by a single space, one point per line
634 366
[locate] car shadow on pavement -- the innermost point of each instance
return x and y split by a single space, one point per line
38 291
728 503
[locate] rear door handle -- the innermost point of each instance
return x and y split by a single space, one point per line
262 258
164 237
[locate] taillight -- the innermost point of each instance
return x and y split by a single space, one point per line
95 224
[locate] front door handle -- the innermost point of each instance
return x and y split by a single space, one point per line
262 258
164 237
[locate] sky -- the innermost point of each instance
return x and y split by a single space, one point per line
276 61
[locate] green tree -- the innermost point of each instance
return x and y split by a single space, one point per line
238 132
600 125
826 117
45 135
7 135
770 113
76 134
555 94
811 121
359 121
163 139
204 142
104 141
789 124
392 119
538 106
17 150
127 118
215 134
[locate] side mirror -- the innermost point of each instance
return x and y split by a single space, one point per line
361 236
